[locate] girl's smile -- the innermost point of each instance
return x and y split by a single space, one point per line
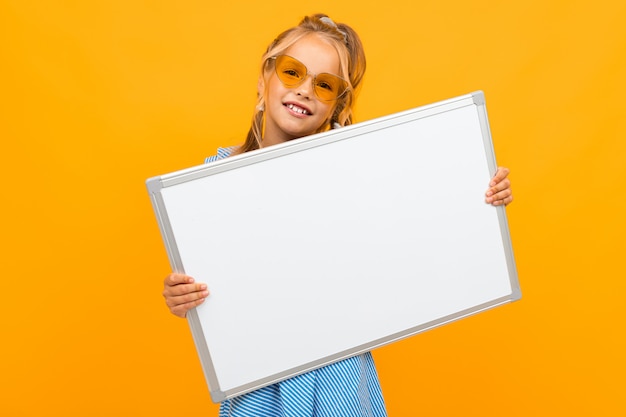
298 110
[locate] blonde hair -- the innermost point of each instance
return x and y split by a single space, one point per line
351 62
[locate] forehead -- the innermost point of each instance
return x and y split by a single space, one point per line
316 53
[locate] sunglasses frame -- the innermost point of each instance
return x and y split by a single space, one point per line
313 78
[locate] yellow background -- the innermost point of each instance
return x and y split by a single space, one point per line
97 96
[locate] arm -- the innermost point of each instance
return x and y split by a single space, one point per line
499 191
181 293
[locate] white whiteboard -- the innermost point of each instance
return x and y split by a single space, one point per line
332 245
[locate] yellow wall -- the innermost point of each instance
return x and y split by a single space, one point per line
96 96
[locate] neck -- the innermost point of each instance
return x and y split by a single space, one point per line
265 142
274 138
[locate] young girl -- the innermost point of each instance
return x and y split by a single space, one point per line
309 78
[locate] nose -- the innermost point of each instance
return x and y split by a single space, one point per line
305 89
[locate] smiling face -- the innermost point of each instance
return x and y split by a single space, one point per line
292 113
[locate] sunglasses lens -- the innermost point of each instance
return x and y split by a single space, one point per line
328 87
292 73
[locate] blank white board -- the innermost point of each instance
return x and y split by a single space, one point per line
332 245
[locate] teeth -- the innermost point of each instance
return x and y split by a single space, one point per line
297 109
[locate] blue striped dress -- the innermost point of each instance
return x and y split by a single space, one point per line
348 388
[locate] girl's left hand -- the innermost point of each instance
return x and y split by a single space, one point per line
499 192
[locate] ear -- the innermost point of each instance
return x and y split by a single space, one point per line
261 86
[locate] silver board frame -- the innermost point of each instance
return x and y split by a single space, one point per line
332 245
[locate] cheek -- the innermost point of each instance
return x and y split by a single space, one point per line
274 87
270 91
327 111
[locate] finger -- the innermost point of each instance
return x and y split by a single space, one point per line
182 309
504 202
176 279
183 289
501 186
501 173
501 198
190 297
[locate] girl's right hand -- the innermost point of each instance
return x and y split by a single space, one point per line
181 293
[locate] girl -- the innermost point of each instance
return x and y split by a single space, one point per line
309 78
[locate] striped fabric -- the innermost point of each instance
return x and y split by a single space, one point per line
221 153
349 388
